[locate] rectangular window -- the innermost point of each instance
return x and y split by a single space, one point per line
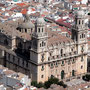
42 57
42 68
82 49
81 58
56 64
26 30
73 61
81 67
48 58
62 62
52 65
42 76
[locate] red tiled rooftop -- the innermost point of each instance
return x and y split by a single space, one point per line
13 8
33 9
24 11
62 23
21 4
60 20
88 29
42 15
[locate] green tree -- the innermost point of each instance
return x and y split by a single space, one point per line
61 83
64 85
40 85
86 77
50 81
47 84
34 83
88 13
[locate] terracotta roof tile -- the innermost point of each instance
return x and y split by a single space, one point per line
56 38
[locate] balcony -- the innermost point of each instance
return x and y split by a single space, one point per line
42 59
40 35
62 64
42 69
82 50
61 57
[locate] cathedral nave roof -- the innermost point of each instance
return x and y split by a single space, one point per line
55 38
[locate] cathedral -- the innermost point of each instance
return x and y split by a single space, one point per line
40 53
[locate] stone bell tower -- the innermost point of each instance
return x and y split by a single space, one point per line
39 37
38 47
79 35
79 30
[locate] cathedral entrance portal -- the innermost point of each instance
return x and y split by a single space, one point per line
62 74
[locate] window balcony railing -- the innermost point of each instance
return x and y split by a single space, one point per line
73 62
82 50
60 57
42 59
52 67
42 69
62 64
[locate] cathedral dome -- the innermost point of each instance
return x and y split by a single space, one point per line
26 25
40 21
80 13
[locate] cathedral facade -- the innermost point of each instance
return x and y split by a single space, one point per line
47 53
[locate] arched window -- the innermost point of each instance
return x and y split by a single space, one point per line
73 72
38 29
42 29
61 52
51 64
42 68
42 57
42 43
82 21
82 58
82 67
62 74
82 36
26 30
79 21
62 62
42 76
